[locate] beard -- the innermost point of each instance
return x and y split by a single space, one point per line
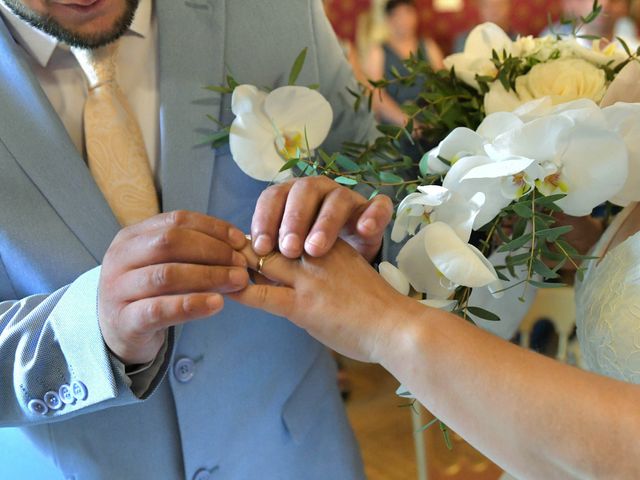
87 41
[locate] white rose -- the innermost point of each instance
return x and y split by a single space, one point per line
561 80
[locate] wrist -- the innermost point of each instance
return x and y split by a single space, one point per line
405 335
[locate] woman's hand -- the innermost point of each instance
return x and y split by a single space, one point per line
339 299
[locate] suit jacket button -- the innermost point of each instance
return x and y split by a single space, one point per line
202 474
79 390
52 399
184 370
38 407
66 395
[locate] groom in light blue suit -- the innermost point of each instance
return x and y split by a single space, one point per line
84 392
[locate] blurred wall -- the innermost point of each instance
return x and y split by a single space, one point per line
528 17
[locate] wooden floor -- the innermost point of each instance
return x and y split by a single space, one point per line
384 431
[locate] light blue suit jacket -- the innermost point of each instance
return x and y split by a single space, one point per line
258 400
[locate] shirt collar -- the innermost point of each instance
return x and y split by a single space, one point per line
41 45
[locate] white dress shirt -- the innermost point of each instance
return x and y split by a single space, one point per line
65 84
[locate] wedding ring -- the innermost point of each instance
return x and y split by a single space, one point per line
248 237
262 260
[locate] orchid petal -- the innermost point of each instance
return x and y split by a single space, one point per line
300 109
424 277
505 168
246 99
497 123
592 181
435 166
460 213
461 142
494 200
251 142
525 141
455 259
394 277
624 118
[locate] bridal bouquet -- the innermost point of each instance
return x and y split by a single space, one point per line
519 130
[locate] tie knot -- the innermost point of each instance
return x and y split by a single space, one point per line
99 64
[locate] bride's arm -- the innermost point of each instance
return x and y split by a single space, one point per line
534 416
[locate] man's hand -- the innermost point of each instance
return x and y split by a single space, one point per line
165 271
309 214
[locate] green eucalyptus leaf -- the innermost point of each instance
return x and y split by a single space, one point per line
516 244
388 177
347 164
484 314
297 67
350 182
290 164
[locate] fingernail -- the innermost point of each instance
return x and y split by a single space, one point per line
238 260
263 244
369 225
291 243
213 302
238 277
318 240
236 237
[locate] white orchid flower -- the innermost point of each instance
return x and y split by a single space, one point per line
477 54
490 187
270 129
571 155
433 203
436 261
624 119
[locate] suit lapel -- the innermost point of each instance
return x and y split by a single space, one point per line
38 141
191 49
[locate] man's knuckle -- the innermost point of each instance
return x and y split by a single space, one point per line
161 276
178 218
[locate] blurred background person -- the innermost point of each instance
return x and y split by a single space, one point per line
403 40
622 21
494 11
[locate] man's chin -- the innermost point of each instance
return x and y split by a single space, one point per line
90 35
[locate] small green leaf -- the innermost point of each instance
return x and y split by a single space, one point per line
552 234
290 164
516 243
346 181
424 165
541 269
482 313
347 164
388 177
297 67
523 211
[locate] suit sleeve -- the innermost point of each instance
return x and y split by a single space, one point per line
336 76
53 360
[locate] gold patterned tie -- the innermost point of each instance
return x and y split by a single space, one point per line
116 153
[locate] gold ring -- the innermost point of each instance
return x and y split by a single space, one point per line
248 237
262 260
